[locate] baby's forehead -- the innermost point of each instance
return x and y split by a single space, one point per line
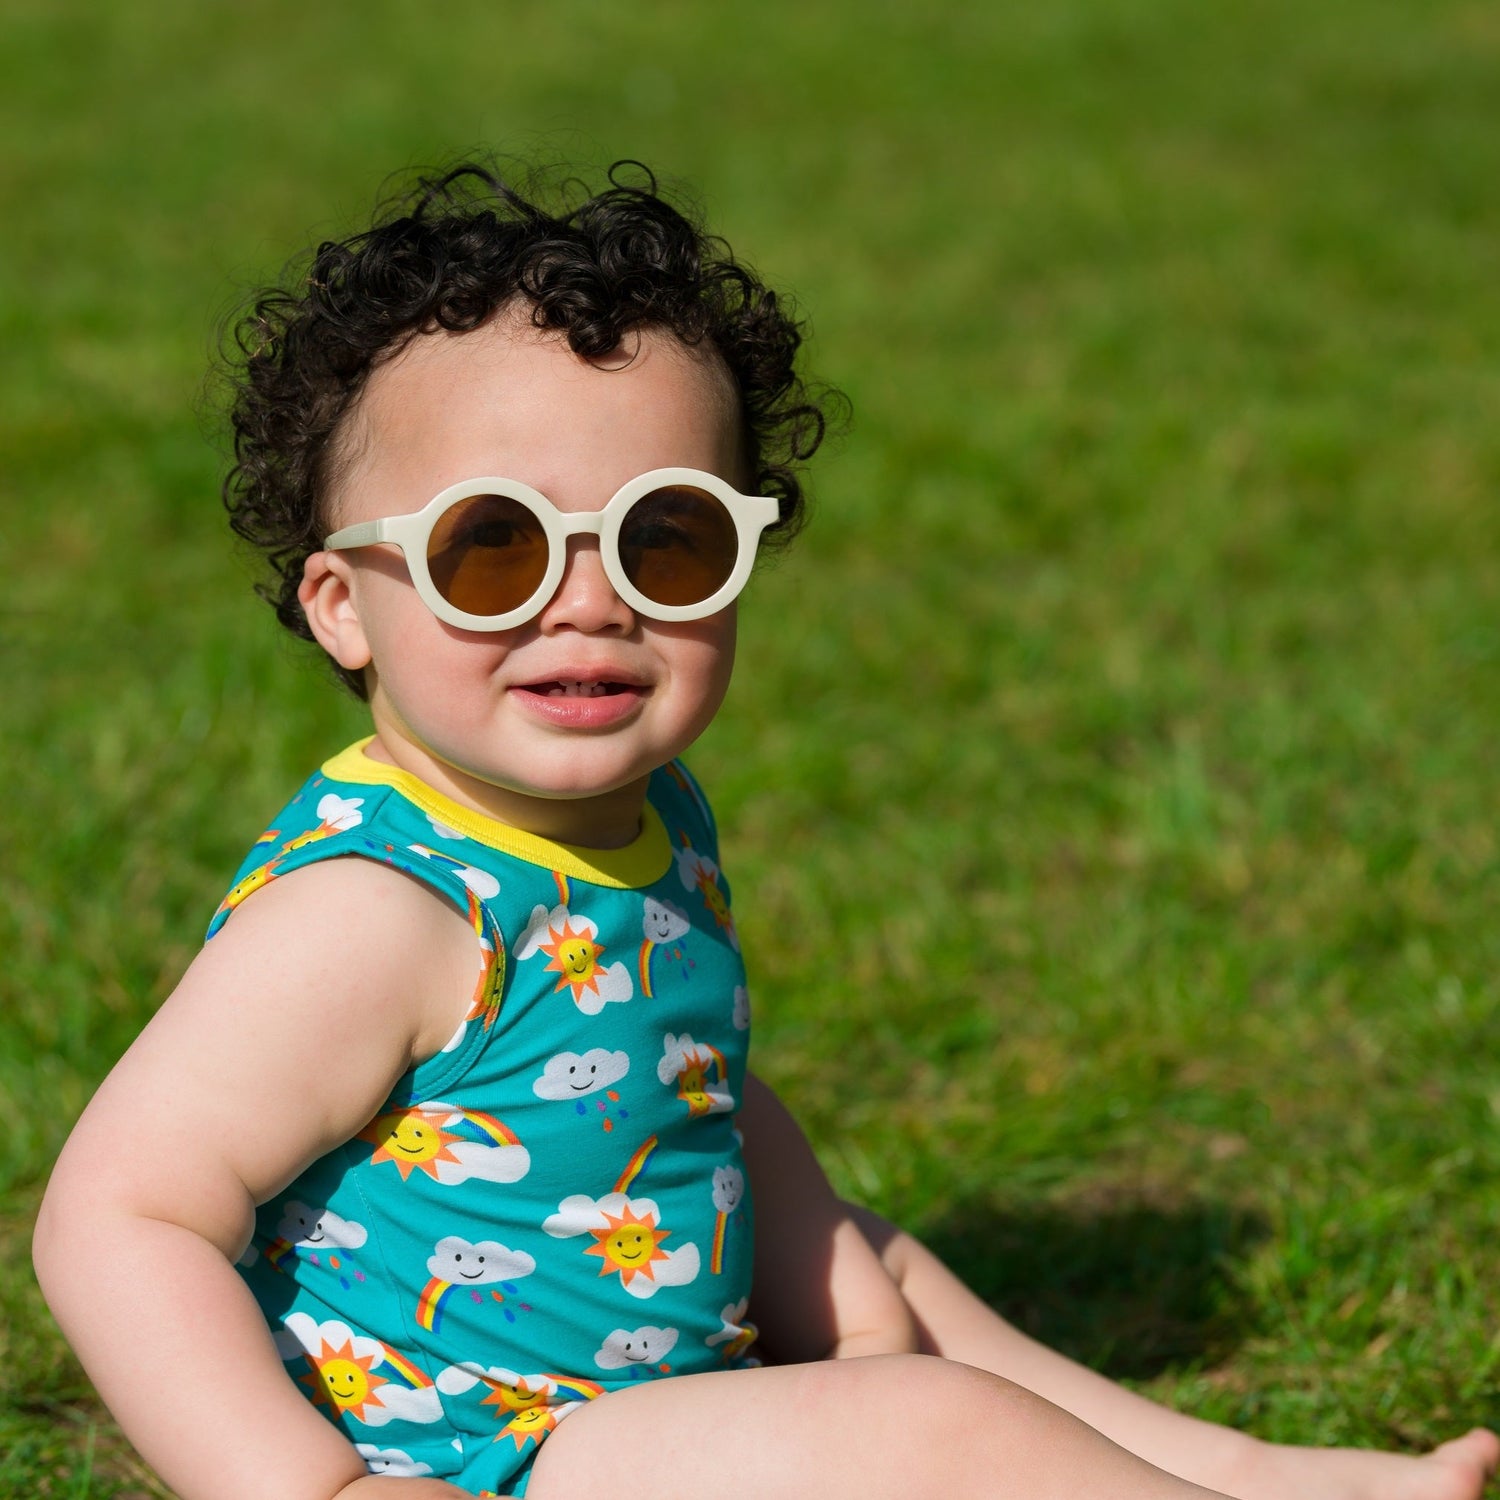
453 405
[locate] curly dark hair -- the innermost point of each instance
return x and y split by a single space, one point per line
446 254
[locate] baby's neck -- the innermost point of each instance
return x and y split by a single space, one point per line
605 820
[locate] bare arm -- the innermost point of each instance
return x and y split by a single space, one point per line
820 1290
222 1100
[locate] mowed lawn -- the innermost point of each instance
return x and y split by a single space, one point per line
1109 786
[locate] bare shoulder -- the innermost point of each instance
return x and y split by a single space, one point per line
354 934
282 1039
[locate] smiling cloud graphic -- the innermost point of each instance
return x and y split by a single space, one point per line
318 1228
664 922
729 1189
457 1261
571 1075
391 1461
627 1348
627 1239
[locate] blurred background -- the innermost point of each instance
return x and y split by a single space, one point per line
1109 783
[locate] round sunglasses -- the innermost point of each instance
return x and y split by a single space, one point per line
487 554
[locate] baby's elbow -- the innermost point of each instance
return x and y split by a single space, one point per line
49 1236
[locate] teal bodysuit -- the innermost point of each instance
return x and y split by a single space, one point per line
555 1205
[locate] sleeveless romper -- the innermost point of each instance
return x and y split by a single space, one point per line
555 1205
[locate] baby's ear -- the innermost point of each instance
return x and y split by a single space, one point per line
327 600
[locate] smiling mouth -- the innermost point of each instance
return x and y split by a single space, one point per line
572 687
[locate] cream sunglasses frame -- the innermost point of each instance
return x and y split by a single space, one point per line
751 515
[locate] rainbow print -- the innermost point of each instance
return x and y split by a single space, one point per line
486 1001
436 1296
576 1389
278 1252
716 1258
471 1125
647 948
406 1373
563 889
636 1165
430 1304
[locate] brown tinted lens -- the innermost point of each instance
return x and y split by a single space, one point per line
487 555
678 545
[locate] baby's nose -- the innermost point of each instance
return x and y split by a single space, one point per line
585 599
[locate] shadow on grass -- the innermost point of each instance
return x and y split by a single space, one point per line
1132 1290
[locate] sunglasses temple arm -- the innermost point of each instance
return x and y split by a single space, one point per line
356 536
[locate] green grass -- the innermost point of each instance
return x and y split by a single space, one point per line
1109 783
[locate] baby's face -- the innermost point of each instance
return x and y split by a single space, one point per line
555 725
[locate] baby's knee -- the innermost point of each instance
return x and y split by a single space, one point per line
957 1396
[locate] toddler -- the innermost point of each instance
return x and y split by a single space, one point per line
452 1139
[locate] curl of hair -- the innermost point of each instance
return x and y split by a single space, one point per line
447 255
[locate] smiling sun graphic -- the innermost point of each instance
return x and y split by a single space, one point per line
571 943
341 1380
574 955
412 1138
628 1244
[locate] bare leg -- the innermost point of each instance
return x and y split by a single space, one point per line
954 1323
886 1427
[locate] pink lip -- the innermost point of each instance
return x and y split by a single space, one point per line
581 713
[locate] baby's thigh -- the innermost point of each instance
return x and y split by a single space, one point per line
840 1428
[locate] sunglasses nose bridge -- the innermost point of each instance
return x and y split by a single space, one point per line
581 522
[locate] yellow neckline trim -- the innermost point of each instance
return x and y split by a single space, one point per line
638 864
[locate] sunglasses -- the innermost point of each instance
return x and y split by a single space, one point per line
487 554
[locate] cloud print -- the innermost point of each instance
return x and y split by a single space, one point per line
664 922
457 1261
679 1054
391 1461
487 1163
341 812
481 882
580 1214
457 1379
626 1347
462 1157
318 1228
571 1075
732 1319
301 1336
729 1189
694 868
741 1016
